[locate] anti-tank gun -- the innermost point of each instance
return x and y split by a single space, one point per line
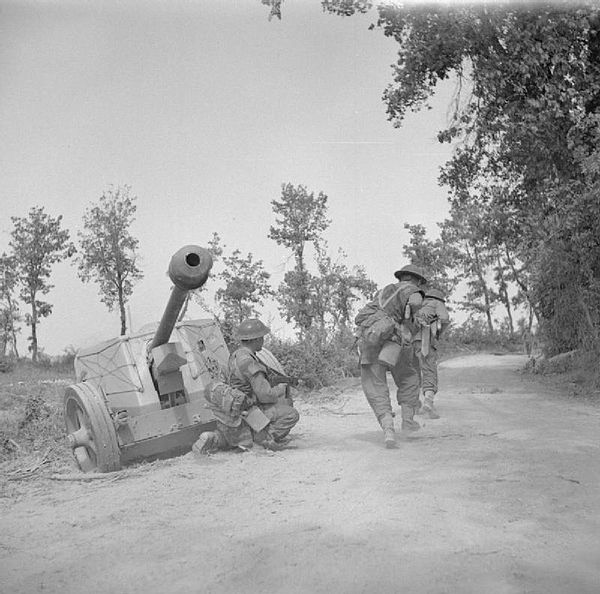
143 395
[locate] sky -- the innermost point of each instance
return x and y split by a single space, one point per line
205 109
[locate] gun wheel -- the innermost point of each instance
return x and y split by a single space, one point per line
90 430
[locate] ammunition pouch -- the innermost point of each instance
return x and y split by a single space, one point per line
226 402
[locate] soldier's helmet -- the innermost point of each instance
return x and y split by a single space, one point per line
251 328
435 294
413 270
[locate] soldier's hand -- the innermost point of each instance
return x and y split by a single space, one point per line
292 394
425 319
281 390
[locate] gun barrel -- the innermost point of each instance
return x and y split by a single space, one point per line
188 269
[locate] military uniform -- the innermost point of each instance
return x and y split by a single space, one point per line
434 308
389 307
236 403
228 405
249 375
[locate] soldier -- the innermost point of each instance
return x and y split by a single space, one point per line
384 332
433 308
249 389
249 375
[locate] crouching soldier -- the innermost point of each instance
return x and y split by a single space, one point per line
249 375
266 411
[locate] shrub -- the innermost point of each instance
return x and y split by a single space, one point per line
318 360
7 364
31 416
64 363
474 333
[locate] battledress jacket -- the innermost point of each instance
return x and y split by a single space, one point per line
249 375
434 309
391 301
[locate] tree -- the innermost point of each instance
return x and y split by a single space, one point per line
9 309
108 253
37 242
336 289
526 125
246 287
300 218
439 259
465 232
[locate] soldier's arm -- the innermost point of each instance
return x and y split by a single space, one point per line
443 318
415 300
414 305
263 391
261 388
443 314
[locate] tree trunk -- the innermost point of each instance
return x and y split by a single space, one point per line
586 314
484 289
13 332
503 292
14 342
520 282
122 310
34 343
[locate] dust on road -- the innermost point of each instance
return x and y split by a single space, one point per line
500 496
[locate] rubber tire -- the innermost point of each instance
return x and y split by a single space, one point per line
86 399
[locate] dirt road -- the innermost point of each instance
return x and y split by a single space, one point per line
500 496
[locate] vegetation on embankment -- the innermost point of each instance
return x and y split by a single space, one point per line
32 432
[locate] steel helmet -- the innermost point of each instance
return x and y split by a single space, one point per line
435 294
251 328
412 269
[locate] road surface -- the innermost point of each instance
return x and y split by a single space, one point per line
499 496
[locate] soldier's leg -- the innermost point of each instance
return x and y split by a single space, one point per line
210 442
430 383
236 437
406 377
282 419
373 378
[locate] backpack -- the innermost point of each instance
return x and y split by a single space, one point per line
375 324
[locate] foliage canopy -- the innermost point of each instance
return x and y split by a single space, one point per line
108 253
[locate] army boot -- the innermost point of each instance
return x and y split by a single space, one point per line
266 440
428 409
209 442
389 434
408 422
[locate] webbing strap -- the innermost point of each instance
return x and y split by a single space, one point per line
382 305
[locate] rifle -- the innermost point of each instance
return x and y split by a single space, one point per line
275 372
278 378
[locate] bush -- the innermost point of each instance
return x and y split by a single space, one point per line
31 416
318 360
474 333
65 363
7 364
